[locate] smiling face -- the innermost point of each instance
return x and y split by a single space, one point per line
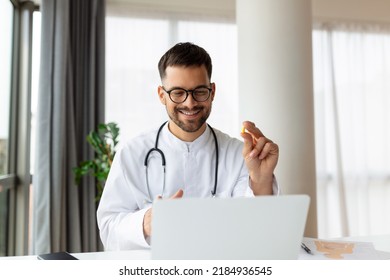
188 119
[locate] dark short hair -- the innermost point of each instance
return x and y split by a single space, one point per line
185 54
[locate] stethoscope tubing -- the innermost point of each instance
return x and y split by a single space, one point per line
163 162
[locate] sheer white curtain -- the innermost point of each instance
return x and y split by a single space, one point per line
134 47
352 102
220 41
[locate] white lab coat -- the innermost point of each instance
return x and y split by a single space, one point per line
189 166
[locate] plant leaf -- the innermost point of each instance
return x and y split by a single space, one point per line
103 142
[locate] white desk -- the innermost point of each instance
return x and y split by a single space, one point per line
109 255
380 242
379 250
115 255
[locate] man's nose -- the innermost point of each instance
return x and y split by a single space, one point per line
190 100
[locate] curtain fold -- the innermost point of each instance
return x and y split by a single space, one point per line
70 105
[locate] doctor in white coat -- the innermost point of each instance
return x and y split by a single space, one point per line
184 157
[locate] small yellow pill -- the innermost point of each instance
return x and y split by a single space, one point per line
243 130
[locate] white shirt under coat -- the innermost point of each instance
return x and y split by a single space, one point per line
189 166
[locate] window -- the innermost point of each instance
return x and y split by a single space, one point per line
134 47
356 153
351 78
220 41
15 95
6 28
36 56
6 25
132 55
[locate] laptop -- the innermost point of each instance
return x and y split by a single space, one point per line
256 228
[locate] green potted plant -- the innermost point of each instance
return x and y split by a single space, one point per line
103 142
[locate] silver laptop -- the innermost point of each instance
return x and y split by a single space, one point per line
264 227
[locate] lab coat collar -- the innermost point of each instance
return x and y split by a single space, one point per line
176 143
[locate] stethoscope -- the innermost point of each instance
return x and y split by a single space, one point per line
163 162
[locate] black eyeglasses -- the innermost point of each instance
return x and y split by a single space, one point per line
179 95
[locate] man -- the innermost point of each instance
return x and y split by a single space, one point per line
185 157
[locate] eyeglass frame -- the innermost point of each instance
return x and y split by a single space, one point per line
188 92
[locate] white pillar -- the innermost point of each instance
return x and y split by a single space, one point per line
275 87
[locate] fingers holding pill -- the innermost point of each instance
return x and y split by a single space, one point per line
260 154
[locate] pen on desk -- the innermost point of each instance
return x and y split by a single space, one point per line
307 249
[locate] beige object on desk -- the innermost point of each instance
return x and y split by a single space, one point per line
364 248
334 250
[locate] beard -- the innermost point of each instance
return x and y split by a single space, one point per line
190 125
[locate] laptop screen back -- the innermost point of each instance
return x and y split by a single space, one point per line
264 227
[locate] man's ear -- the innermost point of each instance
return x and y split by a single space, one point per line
161 95
213 91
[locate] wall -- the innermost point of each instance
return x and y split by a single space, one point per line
352 10
218 9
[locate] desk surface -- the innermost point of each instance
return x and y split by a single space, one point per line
380 242
363 250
